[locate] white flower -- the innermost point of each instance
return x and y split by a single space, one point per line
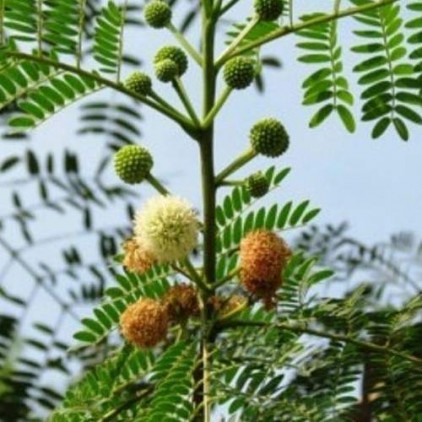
167 227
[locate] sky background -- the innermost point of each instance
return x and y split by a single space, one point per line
373 185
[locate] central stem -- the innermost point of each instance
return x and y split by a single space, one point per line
206 145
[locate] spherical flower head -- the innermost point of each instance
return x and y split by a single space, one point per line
136 258
269 137
157 14
176 54
257 185
139 82
166 70
168 228
263 255
133 163
269 10
182 302
144 323
239 72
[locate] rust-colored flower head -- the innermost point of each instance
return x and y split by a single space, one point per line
182 302
144 323
136 258
263 256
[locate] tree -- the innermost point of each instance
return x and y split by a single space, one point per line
196 337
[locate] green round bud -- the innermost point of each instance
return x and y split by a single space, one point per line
239 72
176 54
157 14
269 137
166 70
132 163
139 82
257 185
269 10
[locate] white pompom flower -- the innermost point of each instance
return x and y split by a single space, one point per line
168 227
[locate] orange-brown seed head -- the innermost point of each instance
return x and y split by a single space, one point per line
136 258
144 323
263 255
182 302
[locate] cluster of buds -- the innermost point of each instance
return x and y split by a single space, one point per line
145 323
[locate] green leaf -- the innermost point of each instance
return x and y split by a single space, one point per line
401 128
298 212
347 118
380 127
321 115
284 215
85 336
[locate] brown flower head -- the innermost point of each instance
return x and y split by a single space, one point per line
182 302
263 255
136 258
144 323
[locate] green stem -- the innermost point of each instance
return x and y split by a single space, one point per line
217 107
185 43
40 25
2 34
237 41
181 92
195 277
112 414
282 32
291 13
206 146
82 4
121 40
232 183
227 278
235 165
207 7
324 334
157 185
164 103
227 7
171 114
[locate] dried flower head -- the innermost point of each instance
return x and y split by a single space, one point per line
136 258
182 302
168 228
144 323
263 256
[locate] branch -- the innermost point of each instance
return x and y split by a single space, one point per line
282 32
324 334
110 416
171 114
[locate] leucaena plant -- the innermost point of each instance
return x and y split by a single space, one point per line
210 307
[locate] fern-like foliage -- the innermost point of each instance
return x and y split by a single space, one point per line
63 25
389 95
108 39
415 40
327 88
